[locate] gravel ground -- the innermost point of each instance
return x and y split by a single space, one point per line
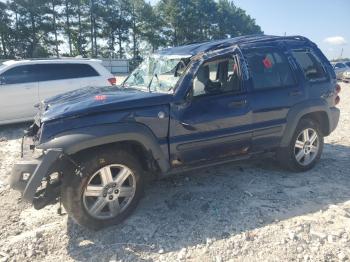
250 211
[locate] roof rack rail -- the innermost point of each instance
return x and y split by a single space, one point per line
193 48
253 39
268 38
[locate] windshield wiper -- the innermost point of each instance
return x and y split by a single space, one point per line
150 82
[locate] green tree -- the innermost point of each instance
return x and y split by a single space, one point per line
115 25
198 20
33 27
233 21
151 27
77 26
5 31
67 26
136 18
38 28
170 12
54 5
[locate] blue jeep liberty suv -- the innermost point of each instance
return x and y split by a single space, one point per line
183 108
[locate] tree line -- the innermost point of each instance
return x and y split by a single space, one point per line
114 28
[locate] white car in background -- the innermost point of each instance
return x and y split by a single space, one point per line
341 69
27 82
346 74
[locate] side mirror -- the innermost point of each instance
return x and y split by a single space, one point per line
189 96
187 99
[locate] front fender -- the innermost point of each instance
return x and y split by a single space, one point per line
79 139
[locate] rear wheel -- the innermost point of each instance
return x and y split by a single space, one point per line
108 192
305 147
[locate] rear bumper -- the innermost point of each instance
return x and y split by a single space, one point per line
334 118
28 172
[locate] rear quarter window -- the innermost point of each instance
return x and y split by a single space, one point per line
66 71
310 64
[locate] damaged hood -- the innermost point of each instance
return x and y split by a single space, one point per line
92 100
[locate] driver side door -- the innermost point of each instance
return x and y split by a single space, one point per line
215 123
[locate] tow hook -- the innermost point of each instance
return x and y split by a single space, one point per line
59 209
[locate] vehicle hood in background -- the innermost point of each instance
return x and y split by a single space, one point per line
92 100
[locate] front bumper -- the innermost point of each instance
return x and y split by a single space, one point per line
29 171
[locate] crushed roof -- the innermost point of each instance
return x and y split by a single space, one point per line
195 48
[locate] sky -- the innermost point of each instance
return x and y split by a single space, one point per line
325 22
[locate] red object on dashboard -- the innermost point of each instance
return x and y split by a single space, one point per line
112 81
267 63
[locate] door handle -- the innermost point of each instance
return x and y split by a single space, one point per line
188 126
239 103
295 93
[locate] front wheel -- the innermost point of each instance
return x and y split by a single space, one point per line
305 147
108 191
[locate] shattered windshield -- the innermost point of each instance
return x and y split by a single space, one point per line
157 74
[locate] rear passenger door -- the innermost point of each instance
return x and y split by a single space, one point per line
18 93
63 77
274 89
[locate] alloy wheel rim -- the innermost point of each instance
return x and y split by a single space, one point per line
306 146
109 191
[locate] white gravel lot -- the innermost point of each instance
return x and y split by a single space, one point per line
251 211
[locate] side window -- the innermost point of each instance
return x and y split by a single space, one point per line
65 71
310 65
81 70
217 76
269 69
20 74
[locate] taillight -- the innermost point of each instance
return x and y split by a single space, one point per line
337 88
112 81
337 100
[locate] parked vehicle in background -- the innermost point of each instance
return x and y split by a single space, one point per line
27 82
346 74
183 108
340 68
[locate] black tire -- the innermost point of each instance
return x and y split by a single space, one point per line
286 155
73 186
